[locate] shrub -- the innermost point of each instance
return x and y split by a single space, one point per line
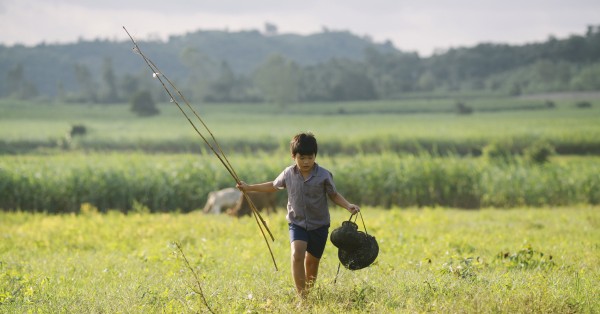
143 104
539 152
462 108
77 130
497 152
583 105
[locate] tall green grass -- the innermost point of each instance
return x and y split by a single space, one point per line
61 183
441 261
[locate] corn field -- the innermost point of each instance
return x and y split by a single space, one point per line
62 183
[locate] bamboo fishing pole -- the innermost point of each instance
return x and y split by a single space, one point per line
217 151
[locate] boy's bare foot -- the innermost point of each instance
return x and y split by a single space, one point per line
301 299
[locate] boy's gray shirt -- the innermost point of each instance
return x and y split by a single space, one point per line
307 204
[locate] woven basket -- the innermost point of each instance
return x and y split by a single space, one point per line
356 249
346 237
362 257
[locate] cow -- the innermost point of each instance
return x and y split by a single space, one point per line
261 200
218 201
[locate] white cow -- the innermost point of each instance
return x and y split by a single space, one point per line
219 200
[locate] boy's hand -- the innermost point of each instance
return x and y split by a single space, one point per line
241 186
354 209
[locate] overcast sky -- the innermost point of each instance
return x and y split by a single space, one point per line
416 25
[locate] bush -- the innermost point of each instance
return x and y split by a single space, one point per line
497 152
143 104
583 105
462 108
77 130
539 152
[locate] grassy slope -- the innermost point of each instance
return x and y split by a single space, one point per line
430 260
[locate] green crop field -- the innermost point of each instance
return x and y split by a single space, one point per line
495 211
60 183
435 127
523 260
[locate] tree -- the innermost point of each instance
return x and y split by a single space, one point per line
109 94
426 81
588 78
87 86
143 104
129 85
221 90
337 80
393 73
278 78
350 81
515 90
18 86
270 29
202 71
15 78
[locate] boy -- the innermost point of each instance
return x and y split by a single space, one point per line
307 186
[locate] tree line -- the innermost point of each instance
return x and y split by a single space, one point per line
249 67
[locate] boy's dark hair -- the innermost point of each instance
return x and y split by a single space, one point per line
303 144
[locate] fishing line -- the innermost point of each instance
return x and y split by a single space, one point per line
218 151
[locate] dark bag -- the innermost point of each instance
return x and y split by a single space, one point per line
356 249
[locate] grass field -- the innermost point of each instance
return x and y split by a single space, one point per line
540 254
242 127
524 260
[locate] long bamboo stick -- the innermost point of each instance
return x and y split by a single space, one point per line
217 151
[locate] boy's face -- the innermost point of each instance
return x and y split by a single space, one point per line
305 162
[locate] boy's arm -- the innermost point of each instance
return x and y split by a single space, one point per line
259 187
341 201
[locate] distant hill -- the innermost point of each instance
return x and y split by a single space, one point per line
245 50
224 66
47 65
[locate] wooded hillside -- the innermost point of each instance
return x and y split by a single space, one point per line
250 66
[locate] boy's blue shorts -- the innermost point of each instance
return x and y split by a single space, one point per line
315 239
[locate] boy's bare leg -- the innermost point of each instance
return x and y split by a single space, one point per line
311 265
298 270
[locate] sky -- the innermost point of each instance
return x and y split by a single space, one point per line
420 26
